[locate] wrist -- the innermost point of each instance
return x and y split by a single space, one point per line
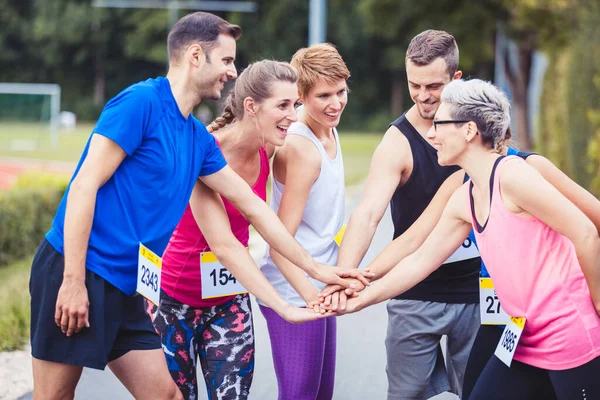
74 276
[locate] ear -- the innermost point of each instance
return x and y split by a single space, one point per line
250 106
301 97
471 131
457 75
196 56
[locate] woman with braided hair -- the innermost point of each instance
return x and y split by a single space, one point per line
204 312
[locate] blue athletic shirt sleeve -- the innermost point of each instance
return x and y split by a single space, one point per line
213 158
126 117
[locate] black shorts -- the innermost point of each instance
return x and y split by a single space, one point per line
118 323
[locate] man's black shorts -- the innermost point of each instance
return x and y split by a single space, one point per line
118 323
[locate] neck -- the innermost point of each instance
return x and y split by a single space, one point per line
317 129
185 98
421 124
478 162
240 138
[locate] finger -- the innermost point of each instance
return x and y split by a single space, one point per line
342 282
327 301
72 323
355 294
329 290
343 299
58 313
362 278
80 323
64 321
335 300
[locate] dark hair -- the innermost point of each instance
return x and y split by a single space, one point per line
256 82
202 28
429 45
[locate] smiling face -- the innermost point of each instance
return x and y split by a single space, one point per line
324 102
218 68
448 139
276 113
425 84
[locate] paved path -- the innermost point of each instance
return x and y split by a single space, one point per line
360 370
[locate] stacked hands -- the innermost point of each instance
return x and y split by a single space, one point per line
337 297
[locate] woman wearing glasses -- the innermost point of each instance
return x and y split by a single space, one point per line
541 251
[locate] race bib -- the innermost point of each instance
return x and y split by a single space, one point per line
340 235
510 339
490 310
466 251
216 279
148 276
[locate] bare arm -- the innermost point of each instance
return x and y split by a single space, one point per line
525 189
583 199
103 158
212 220
413 238
300 161
227 183
447 236
390 161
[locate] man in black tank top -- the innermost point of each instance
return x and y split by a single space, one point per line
405 172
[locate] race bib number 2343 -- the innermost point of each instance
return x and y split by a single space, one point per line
148 276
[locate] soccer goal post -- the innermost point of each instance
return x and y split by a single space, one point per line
48 90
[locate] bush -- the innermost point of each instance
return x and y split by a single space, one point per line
26 213
14 296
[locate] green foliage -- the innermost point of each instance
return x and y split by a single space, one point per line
26 214
14 297
570 120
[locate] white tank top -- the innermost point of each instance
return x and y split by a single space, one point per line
322 219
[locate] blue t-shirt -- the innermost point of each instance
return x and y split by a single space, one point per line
145 198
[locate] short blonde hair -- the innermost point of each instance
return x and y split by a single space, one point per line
319 61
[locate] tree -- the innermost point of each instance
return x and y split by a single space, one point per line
532 25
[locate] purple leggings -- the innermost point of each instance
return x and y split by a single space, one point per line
304 357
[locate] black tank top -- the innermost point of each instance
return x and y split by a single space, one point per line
456 282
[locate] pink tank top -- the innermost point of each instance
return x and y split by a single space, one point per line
537 275
180 276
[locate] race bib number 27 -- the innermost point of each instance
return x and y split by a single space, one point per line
491 311
148 276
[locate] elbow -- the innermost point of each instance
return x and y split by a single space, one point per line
589 239
222 250
365 217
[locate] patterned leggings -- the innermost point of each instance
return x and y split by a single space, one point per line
222 337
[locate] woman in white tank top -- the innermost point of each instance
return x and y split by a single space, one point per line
308 195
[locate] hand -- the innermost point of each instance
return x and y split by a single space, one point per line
353 305
330 289
334 275
72 306
297 315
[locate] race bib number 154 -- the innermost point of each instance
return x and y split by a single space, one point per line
217 281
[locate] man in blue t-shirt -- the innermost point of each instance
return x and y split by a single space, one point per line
129 191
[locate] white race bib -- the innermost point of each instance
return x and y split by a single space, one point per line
510 339
490 310
148 276
216 279
466 251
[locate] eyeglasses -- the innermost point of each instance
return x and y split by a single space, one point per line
448 121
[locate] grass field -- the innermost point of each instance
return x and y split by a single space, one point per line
357 148
33 141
